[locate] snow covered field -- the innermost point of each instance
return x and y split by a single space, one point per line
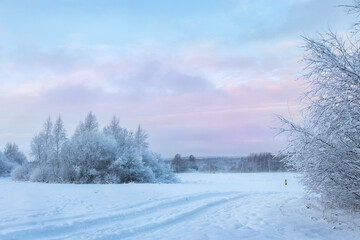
202 206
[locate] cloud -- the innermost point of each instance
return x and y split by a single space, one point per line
226 120
157 77
300 17
197 98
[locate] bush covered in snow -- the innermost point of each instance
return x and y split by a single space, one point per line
5 166
10 159
113 155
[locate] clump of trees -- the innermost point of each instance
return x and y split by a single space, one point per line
179 164
113 155
324 146
10 158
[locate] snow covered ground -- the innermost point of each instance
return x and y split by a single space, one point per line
202 206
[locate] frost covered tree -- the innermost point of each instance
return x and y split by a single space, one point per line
89 125
192 163
90 151
114 128
42 144
5 165
141 140
11 159
325 145
134 161
13 154
177 164
37 148
48 139
42 151
59 138
122 136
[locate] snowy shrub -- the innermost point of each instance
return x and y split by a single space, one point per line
162 172
111 178
41 174
13 154
5 165
10 159
22 172
131 169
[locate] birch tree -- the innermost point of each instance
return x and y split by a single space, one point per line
59 137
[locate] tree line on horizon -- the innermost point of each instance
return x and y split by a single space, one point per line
255 162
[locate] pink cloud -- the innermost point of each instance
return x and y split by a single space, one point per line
202 103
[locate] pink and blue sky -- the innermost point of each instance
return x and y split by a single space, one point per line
202 77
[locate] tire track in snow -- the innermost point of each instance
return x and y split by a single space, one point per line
172 220
78 226
79 217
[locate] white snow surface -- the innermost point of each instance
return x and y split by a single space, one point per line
202 206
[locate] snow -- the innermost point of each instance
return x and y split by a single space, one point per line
202 206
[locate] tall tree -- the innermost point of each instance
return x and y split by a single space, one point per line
42 144
121 135
325 147
141 140
37 149
114 127
90 124
12 153
48 140
177 164
59 137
